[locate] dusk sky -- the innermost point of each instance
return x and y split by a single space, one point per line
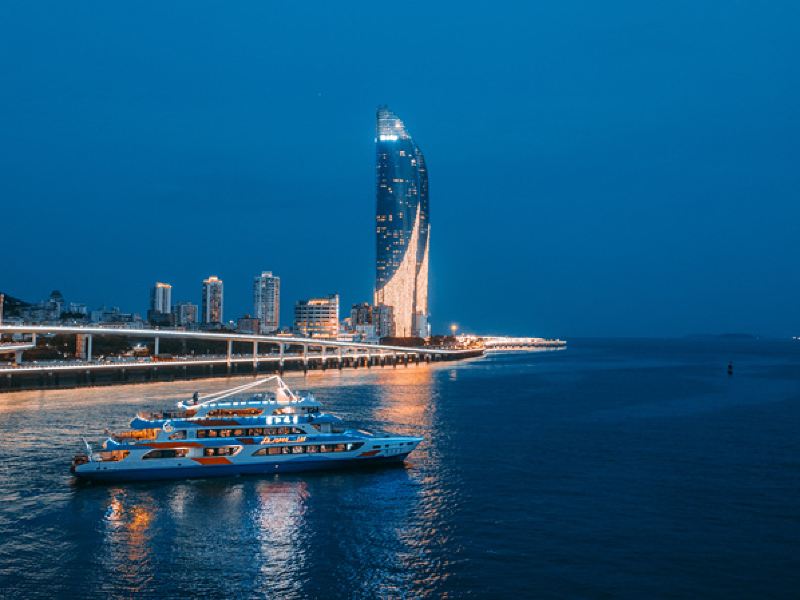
596 168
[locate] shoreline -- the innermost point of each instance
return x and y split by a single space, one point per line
54 377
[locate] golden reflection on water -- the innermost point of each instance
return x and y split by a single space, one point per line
405 400
127 547
402 400
408 404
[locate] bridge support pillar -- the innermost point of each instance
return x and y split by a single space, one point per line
324 360
88 347
255 356
230 352
18 357
156 347
280 358
305 358
339 357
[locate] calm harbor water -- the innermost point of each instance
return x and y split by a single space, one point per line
615 468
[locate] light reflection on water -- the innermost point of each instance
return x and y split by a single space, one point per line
277 535
634 468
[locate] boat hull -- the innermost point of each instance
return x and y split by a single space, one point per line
261 468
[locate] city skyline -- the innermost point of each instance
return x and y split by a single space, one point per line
236 361
614 192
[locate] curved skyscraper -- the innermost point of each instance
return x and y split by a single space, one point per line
402 227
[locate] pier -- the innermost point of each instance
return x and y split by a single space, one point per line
520 344
244 354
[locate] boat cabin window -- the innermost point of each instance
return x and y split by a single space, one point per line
308 449
112 456
137 434
250 431
222 451
178 435
236 412
167 453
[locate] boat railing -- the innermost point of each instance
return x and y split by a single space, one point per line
137 434
165 414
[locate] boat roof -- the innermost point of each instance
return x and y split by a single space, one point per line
281 395
260 400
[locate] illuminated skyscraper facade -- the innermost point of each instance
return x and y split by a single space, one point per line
267 301
402 227
212 301
185 314
161 298
317 317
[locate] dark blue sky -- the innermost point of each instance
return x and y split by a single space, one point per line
596 168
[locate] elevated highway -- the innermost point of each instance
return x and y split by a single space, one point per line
267 354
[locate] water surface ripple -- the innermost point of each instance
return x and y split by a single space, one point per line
616 468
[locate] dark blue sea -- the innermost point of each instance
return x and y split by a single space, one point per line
611 469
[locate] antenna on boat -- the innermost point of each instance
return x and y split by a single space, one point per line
283 390
284 394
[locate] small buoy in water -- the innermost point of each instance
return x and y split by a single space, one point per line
730 368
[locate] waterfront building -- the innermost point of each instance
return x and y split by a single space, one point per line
317 317
212 301
53 310
362 322
402 227
55 305
267 301
115 316
383 321
185 314
77 308
160 311
248 324
361 314
47 311
161 298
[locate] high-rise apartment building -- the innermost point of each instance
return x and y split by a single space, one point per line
161 298
402 227
383 321
317 317
248 324
361 314
267 301
212 301
185 314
